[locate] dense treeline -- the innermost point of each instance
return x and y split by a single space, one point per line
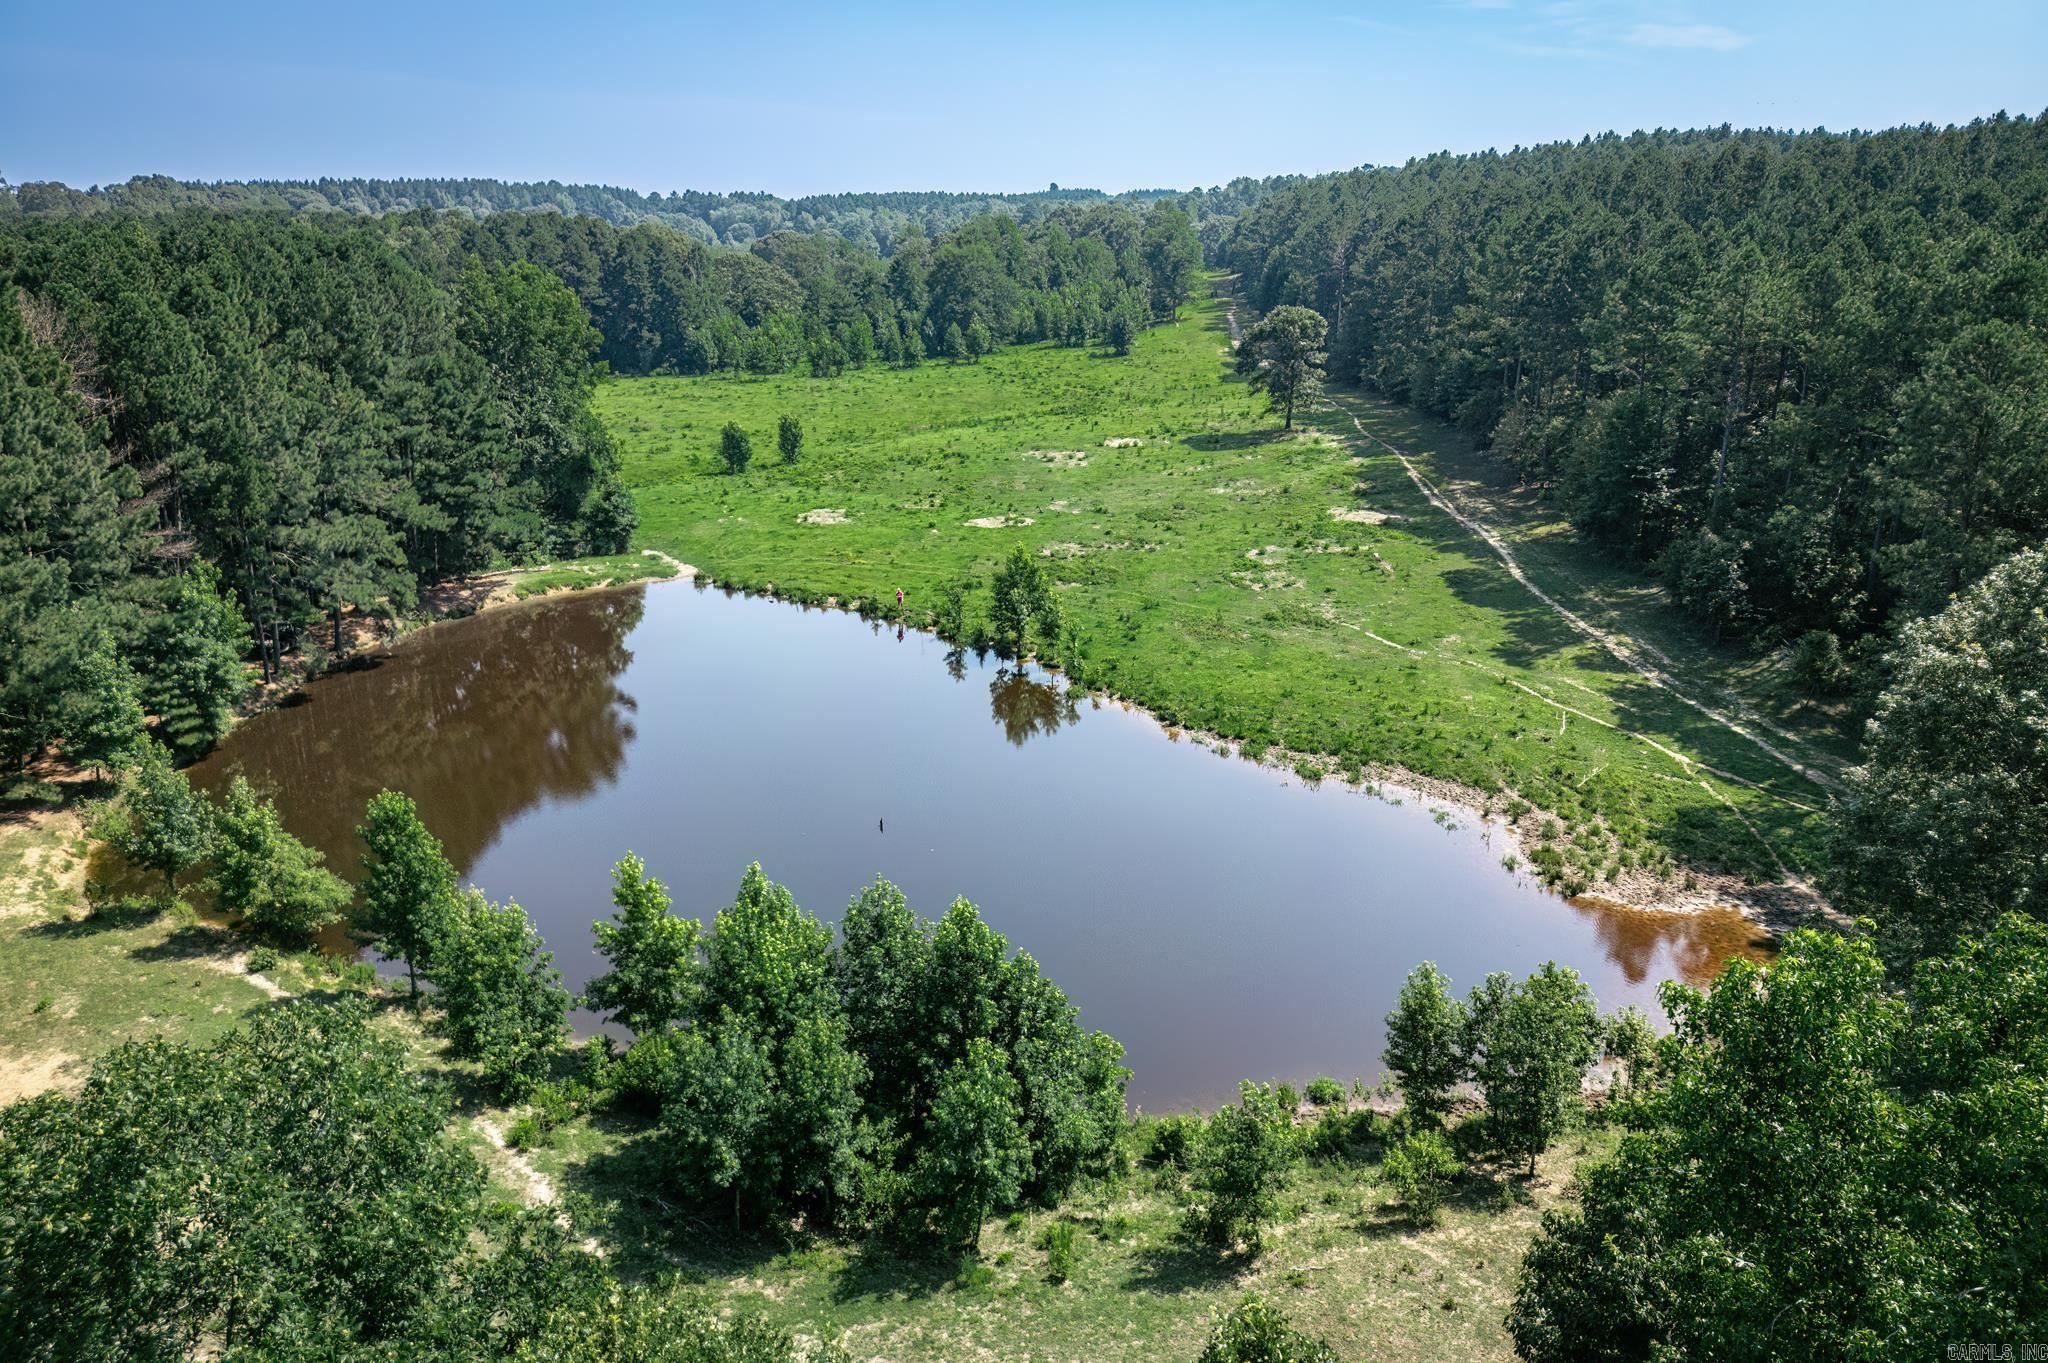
1805 375
215 429
665 303
873 222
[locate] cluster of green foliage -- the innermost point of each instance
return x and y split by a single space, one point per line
665 303
1525 1045
913 1077
1254 1331
1945 826
1828 1168
301 409
1806 375
873 222
259 872
1240 1167
293 1192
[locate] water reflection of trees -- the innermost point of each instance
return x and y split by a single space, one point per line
1026 707
1698 945
477 721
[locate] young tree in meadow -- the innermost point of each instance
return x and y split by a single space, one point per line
503 998
1022 605
974 1157
159 822
652 984
789 438
102 712
1122 331
1945 826
1631 1038
1533 1043
408 885
1425 1050
1281 355
735 449
979 340
198 674
954 343
1241 1168
267 876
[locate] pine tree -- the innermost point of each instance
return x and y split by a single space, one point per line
198 676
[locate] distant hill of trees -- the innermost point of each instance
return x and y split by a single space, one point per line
1804 376
875 222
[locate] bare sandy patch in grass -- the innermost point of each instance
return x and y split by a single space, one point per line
24 1076
999 522
1122 442
1362 515
1060 459
824 515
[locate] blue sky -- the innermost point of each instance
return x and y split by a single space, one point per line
799 99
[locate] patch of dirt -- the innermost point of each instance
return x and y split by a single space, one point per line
238 964
535 1188
682 569
1363 516
24 1076
1060 459
999 522
1121 442
824 515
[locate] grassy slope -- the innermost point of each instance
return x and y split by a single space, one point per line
1208 577
1343 1263
71 987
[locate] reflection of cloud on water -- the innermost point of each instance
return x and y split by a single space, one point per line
1693 947
1026 707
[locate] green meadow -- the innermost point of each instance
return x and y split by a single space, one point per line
1294 592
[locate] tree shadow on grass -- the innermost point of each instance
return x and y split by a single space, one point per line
186 943
879 1270
1219 442
118 916
1181 1266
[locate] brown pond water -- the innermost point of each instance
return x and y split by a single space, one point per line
1222 919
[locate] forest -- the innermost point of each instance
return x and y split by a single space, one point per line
218 429
1801 376
873 222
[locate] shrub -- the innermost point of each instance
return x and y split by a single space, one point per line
526 1134
1421 1169
1325 1091
1171 1141
1287 1098
261 959
735 450
640 1076
1062 1250
1256 1332
1242 1167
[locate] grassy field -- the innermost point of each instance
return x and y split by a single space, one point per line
1286 590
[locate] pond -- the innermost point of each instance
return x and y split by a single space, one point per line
1223 919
